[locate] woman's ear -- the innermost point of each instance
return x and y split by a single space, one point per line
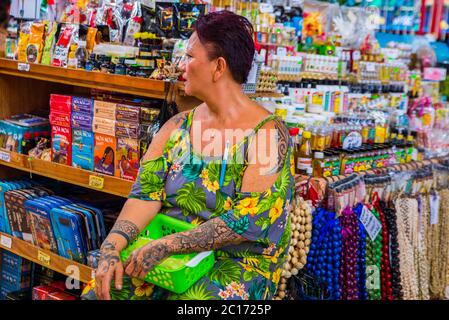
220 69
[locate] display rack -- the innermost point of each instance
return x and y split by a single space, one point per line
46 258
80 177
94 80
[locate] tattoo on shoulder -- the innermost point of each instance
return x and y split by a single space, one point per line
127 229
179 118
282 144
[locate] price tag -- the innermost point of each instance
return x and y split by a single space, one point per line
370 67
266 8
43 257
434 208
5 156
371 223
356 55
96 182
6 241
23 67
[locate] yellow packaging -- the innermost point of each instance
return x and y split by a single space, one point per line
91 39
50 41
35 44
24 38
379 135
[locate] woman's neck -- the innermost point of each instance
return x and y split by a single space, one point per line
225 101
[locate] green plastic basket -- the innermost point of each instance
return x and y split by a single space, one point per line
176 280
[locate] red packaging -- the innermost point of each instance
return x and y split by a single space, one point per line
60 103
60 119
60 296
61 145
42 292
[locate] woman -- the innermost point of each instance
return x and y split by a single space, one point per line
242 214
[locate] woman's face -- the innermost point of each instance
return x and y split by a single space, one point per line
198 69
109 158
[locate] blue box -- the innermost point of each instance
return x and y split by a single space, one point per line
83 149
85 105
82 121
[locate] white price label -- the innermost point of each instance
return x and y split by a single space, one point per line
356 55
6 241
5 156
23 67
371 223
434 208
370 67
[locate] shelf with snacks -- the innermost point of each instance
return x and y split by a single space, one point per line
46 258
87 79
76 176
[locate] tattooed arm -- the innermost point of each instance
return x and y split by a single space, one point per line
210 235
136 214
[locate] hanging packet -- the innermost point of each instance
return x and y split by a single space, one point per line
186 15
36 43
164 18
69 35
24 37
133 25
49 46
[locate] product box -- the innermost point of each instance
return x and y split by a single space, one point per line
127 113
127 130
42 292
83 149
104 126
104 154
128 157
13 262
15 281
93 257
148 115
39 215
60 296
61 103
104 109
84 105
60 119
61 145
82 121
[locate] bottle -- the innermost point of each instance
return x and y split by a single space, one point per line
304 160
318 164
294 135
81 55
409 149
28 143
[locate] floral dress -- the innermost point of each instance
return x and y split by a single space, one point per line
188 186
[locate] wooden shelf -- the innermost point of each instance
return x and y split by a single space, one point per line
95 80
266 95
46 258
80 177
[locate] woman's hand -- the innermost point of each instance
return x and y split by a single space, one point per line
109 267
145 258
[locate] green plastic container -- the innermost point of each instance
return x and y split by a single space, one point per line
178 279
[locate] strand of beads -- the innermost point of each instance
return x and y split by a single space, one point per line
373 262
325 250
406 211
385 270
390 216
348 269
422 261
301 225
361 257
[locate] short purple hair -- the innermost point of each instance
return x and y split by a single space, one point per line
229 36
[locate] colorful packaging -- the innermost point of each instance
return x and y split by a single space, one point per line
164 17
83 149
60 119
186 15
52 28
148 115
127 113
42 292
127 158
61 145
84 105
60 296
24 38
36 43
91 39
61 103
104 154
67 36
82 121
127 130
104 109
104 126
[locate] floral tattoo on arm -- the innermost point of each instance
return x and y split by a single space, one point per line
210 235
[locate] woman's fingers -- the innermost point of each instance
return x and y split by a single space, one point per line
106 285
119 277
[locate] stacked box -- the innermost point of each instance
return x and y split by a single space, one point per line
16 274
82 134
61 132
127 131
105 154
